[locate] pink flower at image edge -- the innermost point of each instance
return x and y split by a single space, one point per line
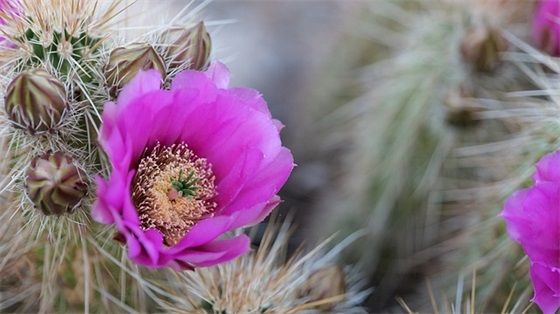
9 8
230 128
533 220
546 26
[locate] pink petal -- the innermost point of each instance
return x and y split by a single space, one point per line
232 182
168 122
100 211
190 79
220 134
144 246
219 74
251 98
532 218
546 283
219 251
546 28
548 168
204 231
265 184
143 83
255 214
110 115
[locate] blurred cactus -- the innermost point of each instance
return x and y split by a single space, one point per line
438 135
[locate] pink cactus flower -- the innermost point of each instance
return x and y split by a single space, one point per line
533 219
546 26
189 164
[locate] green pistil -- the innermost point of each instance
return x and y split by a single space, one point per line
185 187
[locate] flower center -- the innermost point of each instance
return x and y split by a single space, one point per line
172 190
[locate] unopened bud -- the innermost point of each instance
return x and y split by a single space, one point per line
188 48
328 282
35 101
55 184
481 48
125 62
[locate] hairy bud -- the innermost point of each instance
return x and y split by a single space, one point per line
125 62
55 184
36 101
188 47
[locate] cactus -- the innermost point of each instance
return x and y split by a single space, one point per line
60 63
55 55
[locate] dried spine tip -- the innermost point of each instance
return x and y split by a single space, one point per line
125 62
172 190
36 101
55 184
188 47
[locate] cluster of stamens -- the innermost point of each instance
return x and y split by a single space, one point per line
172 190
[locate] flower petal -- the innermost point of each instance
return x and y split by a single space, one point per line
143 83
546 283
533 219
251 98
219 74
219 251
100 211
547 168
205 231
255 214
265 184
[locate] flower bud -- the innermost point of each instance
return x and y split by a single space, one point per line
325 283
55 184
481 48
546 27
188 47
35 101
125 62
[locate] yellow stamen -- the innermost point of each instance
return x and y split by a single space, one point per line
159 205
